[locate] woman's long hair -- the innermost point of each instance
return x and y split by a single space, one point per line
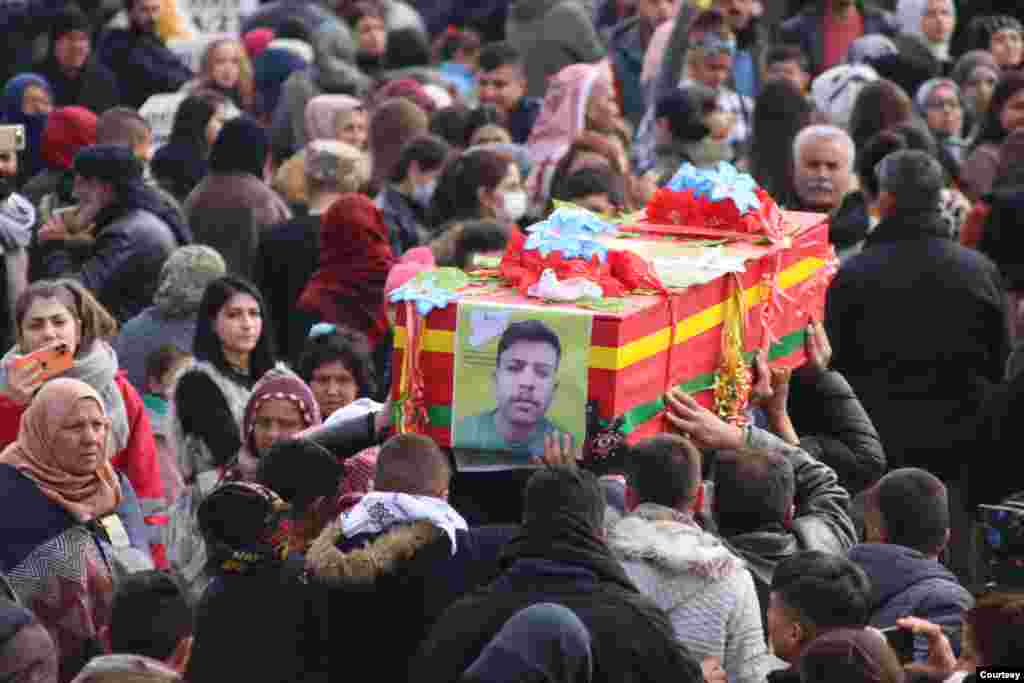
992 130
456 198
780 112
208 346
880 104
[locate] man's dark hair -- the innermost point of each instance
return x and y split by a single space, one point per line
294 28
347 346
531 331
786 53
914 506
406 48
914 179
685 110
122 126
300 471
665 470
410 463
586 181
497 55
429 151
150 615
827 591
163 359
559 495
752 488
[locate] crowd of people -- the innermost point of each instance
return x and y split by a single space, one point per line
199 475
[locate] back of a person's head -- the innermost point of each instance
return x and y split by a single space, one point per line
413 464
914 509
407 47
912 179
557 497
126 668
905 136
686 109
850 655
150 616
428 151
300 471
458 246
121 126
752 488
824 591
665 470
879 105
587 181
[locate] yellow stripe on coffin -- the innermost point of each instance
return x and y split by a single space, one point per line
620 358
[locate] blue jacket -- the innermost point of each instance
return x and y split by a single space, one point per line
521 119
904 582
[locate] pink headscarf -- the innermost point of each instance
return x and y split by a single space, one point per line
322 112
412 263
564 112
256 41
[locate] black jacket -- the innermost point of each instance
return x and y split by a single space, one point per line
387 590
95 88
632 640
835 429
806 30
143 65
289 254
917 325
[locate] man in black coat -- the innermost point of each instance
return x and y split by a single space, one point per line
144 66
917 322
560 558
918 325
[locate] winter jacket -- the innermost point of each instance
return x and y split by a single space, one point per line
137 460
551 36
521 119
230 212
408 573
917 326
144 334
143 65
821 522
122 265
904 582
836 429
17 216
23 22
631 637
806 30
95 88
703 587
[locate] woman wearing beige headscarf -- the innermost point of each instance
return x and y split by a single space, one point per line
67 519
328 117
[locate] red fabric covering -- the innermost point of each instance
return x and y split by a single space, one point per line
68 129
138 460
839 34
355 258
973 229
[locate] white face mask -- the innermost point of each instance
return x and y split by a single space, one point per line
512 207
422 194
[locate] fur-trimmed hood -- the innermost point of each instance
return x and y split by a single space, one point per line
364 565
661 549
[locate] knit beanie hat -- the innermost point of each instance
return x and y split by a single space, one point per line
68 129
184 277
114 164
241 147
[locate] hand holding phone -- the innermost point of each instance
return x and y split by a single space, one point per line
941 661
27 373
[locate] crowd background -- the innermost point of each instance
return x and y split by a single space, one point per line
200 484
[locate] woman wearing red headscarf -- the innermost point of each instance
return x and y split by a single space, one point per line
348 287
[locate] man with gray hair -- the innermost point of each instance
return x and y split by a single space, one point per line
917 324
824 181
289 252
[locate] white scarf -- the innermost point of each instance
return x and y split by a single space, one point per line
379 511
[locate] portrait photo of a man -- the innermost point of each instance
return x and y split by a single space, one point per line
525 383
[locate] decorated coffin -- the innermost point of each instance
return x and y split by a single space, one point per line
669 305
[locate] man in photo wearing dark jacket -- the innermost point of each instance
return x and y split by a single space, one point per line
906 519
560 558
825 29
118 239
144 66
